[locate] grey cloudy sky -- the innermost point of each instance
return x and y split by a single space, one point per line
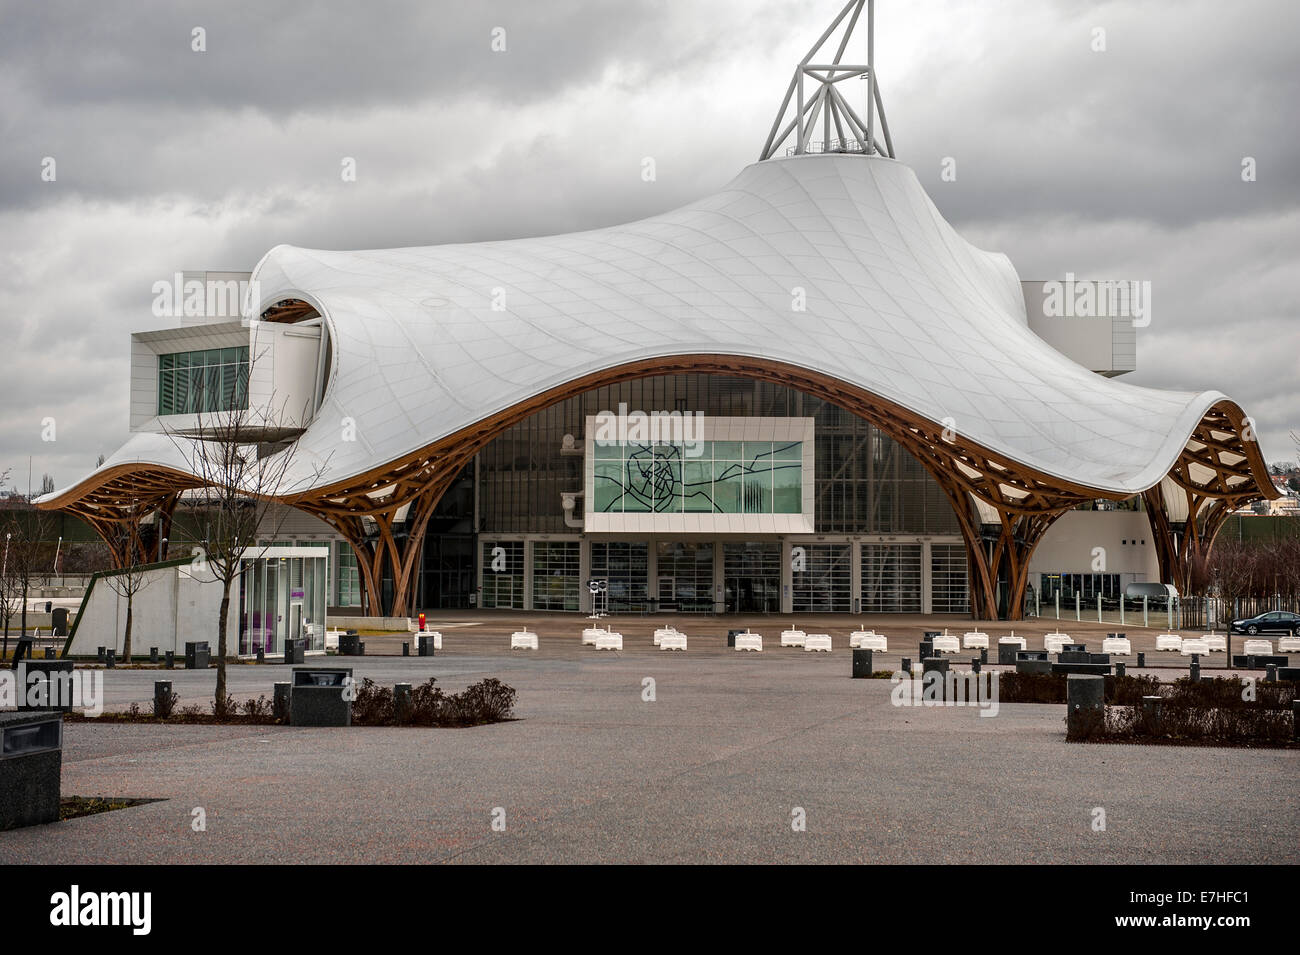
1117 164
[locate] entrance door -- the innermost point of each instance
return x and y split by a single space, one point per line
667 593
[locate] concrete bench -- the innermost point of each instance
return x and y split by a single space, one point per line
793 638
523 640
1254 648
820 642
749 641
673 641
1055 642
1171 642
944 643
975 640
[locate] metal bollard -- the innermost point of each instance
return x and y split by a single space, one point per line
1142 660
906 665
110 658
984 655
153 654
1270 673
162 691
100 653
975 665
1194 672
170 657
261 655
1120 669
402 701
280 701
406 648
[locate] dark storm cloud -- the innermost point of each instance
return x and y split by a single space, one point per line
1124 163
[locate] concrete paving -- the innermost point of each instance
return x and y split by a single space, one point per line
712 770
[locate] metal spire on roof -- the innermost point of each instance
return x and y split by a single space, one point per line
824 100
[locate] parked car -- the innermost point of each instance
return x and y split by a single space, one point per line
1275 621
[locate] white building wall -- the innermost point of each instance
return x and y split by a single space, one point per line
1070 546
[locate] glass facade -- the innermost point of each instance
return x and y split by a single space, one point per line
821 578
891 578
865 482
555 575
503 574
949 585
751 576
202 382
484 547
684 578
282 597
626 565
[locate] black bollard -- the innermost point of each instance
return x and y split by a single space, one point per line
861 664
110 658
261 655
406 649
280 701
162 691
100 652
1142 660
170 657
402 701
975 665
1194 672
906 665
984 655
1295 720
1120 669
153 654
1270 673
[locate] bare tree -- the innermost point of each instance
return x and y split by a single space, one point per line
126 583
28 553
242 461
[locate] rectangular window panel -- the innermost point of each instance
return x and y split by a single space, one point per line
948 579
555 575
503 575
821 581
891 578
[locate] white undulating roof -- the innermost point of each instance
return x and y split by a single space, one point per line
897 304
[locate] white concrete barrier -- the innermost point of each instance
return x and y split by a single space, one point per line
1193 645
1258 648
868 640
672 641
609 641
817 642
975 640
944 643
749 641
1171 642
590 634
1120 646
1053 642
523 640
1217 642
793 638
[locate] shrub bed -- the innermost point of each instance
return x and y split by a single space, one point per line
488 701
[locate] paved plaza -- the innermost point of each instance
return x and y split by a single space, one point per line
712 770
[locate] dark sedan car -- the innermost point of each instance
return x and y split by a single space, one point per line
1275 621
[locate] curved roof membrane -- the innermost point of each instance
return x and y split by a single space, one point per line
835 264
